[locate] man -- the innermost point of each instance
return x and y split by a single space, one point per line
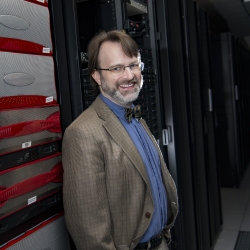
118 193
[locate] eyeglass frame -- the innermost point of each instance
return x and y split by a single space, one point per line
140 64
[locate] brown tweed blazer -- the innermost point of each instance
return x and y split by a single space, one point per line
107 198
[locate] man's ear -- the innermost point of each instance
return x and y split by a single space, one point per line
96 75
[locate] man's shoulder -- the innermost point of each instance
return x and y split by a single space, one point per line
87 118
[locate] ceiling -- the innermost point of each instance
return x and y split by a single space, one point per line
229 15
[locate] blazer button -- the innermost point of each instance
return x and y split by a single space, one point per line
148 215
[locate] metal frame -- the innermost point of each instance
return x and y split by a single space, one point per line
73 56
60 61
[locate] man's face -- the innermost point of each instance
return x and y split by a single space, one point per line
123 88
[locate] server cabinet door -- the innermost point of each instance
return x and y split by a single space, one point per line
195 118
212 170
227 139
175 118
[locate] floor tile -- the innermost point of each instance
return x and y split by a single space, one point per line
236 213
246 219
234 203
226 240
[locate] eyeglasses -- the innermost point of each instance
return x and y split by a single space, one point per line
118 70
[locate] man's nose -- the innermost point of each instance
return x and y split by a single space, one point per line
128 72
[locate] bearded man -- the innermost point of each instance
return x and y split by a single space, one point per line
118 193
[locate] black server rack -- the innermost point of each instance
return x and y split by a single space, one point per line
213 180
196 121
176 117
246 91
239 60
187 118
245 100
242 94
225 106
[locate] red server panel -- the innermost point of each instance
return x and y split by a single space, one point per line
26 20
28 183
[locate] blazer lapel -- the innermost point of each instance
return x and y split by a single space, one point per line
119 134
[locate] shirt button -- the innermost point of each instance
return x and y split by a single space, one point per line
148 215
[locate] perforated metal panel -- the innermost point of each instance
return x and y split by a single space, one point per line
24 74
17 158
53 235
36 136
25 20
243 241
29 216
26 177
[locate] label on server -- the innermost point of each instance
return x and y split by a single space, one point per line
26 144
49 99
46 50
31 200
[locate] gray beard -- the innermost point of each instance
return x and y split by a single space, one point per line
115 95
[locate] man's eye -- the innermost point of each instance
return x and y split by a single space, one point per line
133 65
117 68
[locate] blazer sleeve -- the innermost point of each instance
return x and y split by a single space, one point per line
84 191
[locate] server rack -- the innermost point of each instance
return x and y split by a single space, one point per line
195 119
19 222
245 94
225 106
213 180
176 120
242 93
188 118
246 90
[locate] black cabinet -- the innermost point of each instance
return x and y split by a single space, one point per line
212 171
225 106
184 56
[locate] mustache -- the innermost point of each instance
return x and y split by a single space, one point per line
134 81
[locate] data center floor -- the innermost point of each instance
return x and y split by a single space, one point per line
236 214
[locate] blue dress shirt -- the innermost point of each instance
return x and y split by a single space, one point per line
150 157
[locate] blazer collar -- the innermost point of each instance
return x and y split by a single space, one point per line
119 134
